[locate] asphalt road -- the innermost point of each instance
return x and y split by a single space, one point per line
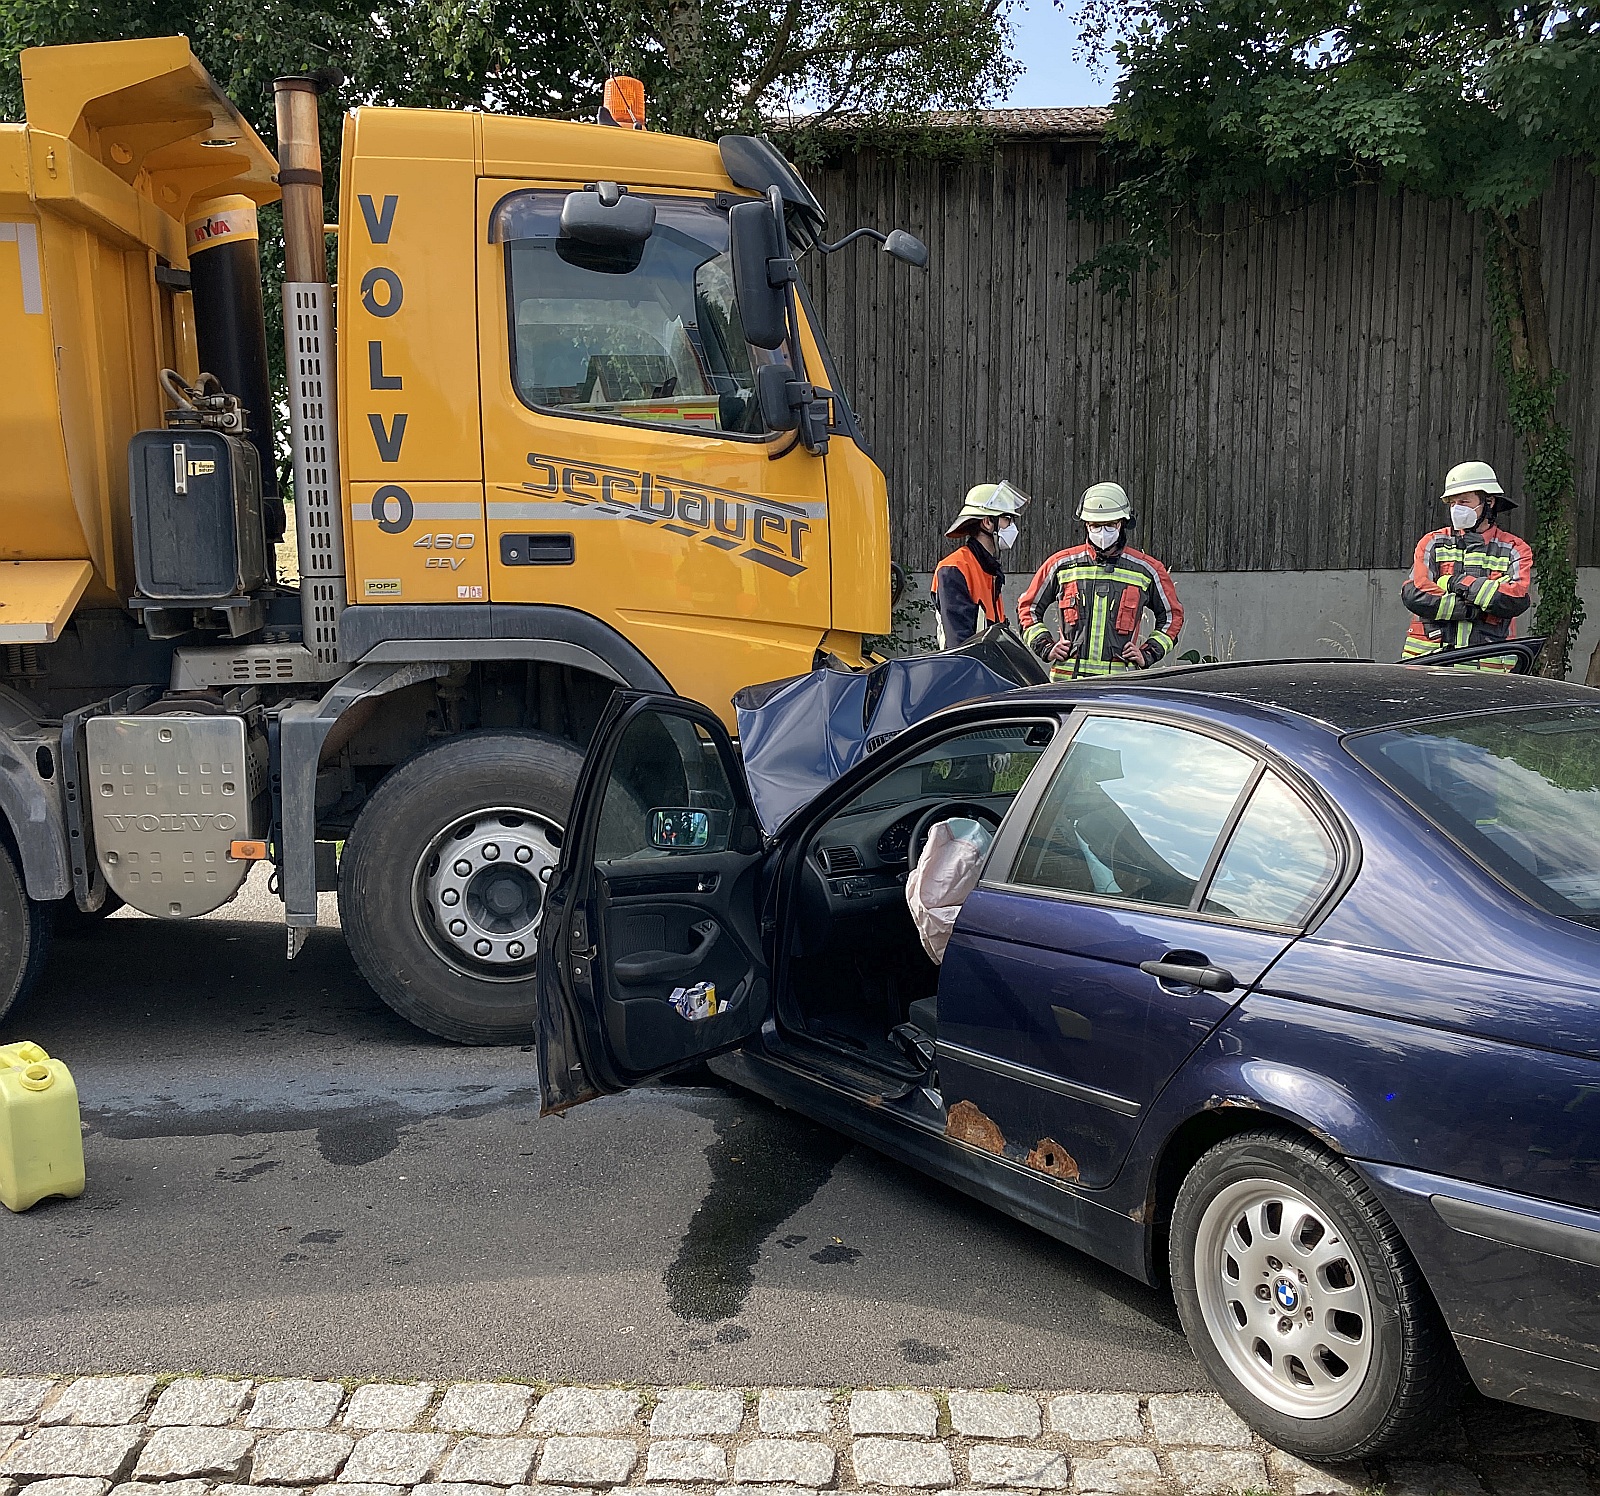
285 1179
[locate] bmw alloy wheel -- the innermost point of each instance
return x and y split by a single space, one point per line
1284 1297
479 887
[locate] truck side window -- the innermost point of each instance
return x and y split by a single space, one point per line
660 344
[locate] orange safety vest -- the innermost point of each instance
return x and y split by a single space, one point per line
983 587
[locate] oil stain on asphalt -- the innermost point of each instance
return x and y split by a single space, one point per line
346 1135
765 1165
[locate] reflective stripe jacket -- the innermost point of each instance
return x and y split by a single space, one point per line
1102 603
1466 588
966 589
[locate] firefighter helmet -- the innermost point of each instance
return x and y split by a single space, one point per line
989 501
1475 477
1103 502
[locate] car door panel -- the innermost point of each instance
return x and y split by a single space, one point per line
638 926
1055 987
1161 874
656 937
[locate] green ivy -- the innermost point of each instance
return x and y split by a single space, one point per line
1547 477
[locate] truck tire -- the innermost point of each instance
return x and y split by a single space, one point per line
24 931
440 887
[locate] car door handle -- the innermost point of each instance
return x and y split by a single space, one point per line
1200 974
646 968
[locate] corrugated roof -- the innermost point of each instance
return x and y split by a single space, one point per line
1084 122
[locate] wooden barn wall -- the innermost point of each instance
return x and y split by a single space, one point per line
1286 393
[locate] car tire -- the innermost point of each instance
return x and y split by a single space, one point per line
24 931
453 952
1303 1303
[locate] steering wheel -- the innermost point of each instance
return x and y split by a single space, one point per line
944 812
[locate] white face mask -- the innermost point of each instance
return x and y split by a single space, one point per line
1103 537
1006 536
1464 516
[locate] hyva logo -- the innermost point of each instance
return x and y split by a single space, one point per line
210 228
207 821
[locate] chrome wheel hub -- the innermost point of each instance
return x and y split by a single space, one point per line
1284 1297
479 891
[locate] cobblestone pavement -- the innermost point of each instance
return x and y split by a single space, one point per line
217 1436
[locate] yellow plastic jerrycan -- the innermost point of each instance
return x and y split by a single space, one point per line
41 1139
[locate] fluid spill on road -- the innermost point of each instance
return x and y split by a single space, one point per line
347 1134
765 1164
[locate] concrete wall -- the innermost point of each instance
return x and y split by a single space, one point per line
1254 615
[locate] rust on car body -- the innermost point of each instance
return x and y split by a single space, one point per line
1049 1157
966 1124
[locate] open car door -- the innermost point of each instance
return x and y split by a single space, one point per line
650 951
1514 656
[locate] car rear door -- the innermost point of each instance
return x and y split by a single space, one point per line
651 953
1161 873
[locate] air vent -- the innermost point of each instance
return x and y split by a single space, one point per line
875 743
841 860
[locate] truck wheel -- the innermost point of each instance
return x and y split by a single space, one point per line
441 885
1303 1303
24 931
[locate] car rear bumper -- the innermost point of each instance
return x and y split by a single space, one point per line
1518 1281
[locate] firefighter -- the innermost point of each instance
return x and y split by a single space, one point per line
1470 579
966 584
1102 588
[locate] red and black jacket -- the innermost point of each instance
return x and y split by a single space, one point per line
1465 588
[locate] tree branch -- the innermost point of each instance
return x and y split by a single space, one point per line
764 79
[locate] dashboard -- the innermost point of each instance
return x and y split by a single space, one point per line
860 860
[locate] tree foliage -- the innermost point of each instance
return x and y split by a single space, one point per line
709 65
1223 100
718 64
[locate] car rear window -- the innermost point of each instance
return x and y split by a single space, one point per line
1519 791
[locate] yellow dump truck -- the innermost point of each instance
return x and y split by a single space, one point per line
578 429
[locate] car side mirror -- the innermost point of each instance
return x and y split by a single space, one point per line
763 306
679 829
906 248
605 229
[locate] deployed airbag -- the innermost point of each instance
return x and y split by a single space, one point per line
946 872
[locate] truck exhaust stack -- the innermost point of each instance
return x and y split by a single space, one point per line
309 359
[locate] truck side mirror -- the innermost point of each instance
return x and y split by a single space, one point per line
772 394
605 229
906 248
763 306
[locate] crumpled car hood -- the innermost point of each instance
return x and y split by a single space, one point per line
799 735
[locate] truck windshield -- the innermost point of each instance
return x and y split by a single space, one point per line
1520 791
661 343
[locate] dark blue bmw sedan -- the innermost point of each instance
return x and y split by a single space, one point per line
1277 982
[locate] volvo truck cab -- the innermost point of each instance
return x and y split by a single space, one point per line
562 420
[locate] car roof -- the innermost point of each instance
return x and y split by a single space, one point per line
1345 695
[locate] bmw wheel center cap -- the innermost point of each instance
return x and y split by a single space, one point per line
1286 1295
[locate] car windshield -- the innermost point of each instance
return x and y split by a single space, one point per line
1520 791
659 341
992 762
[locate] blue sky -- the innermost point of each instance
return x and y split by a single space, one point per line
1044 38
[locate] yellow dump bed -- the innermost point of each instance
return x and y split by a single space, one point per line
123 141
